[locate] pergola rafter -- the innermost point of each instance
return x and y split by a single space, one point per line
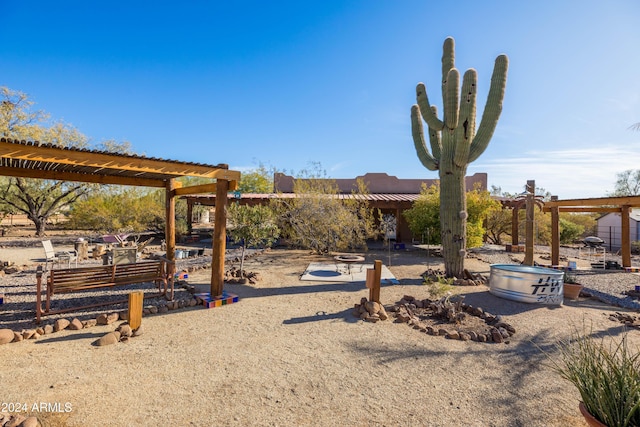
28 159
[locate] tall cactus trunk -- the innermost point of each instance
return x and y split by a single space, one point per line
454 143
453 224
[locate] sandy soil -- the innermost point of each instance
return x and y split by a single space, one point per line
290 353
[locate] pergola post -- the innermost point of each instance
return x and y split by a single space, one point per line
555 233
528 250
170 229
219 238
515 239
189 216
626 238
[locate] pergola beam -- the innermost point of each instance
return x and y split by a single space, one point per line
632 201
85 158
34 160
83 177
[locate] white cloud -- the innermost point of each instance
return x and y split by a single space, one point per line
573 173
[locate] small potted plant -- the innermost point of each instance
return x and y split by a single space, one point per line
571 288
606 373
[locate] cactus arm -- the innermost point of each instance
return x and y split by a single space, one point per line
467 128
492 109
425 108
448 62
452 96
417 130
434 139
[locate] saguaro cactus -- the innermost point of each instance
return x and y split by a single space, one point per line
455 143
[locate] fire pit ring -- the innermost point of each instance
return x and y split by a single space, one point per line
349 260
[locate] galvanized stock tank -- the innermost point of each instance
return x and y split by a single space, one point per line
525 283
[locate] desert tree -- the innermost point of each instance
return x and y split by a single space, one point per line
318 217
37 198
252 226
627 183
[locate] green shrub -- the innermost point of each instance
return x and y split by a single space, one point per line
607 375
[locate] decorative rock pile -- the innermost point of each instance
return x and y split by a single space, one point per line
452 319
370 311
7 267
626 319
121 334
469 279
235 275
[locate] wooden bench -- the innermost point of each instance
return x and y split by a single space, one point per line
159 271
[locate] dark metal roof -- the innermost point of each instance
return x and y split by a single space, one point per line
394 198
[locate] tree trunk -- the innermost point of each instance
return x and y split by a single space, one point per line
242 261
40 224
453 218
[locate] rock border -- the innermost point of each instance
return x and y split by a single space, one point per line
409 310
11 336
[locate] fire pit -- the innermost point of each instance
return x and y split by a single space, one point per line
349 260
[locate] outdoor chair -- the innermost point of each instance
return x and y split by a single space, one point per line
52 256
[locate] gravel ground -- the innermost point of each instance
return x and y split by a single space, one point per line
291 353
18 310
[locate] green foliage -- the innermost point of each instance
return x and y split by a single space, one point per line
588 222
259 180
606 374
438 288
498 225
317 218
128 210
38 199
479 205
252 226
569 278
425 214
569 231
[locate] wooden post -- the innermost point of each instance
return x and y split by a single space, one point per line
528 250
135 309
555 233
170 229
514 227
373 281
219 238
626 237
189 216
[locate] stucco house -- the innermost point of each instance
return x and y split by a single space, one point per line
610 228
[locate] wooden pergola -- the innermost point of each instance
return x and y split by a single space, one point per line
46 161
622 205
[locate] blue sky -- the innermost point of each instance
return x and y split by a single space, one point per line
286 83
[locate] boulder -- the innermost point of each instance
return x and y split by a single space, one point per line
27 334
108 339
60 324
75 324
